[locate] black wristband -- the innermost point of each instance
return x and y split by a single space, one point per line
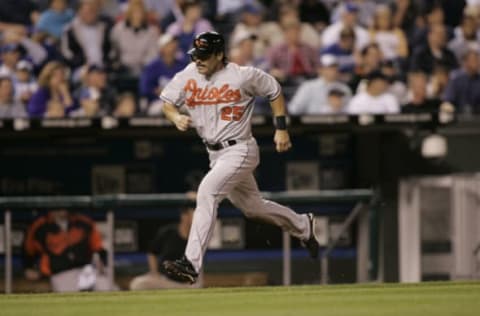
281 122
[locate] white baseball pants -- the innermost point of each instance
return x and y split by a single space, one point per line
231 176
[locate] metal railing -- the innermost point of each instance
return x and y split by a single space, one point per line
110 203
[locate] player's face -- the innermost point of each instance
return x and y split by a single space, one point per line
208 65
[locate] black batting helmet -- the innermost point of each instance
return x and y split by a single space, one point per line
207 43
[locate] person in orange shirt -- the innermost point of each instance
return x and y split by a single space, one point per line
67 248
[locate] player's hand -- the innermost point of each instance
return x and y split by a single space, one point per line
182 122
282 140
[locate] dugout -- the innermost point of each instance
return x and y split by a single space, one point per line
134 156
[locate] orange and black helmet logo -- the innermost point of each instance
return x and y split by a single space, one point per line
201 43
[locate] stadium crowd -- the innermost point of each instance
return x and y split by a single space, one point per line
90 58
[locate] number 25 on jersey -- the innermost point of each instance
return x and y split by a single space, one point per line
232 113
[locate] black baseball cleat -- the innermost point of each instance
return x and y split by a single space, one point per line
180 270
311 243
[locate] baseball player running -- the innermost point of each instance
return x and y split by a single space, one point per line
219 96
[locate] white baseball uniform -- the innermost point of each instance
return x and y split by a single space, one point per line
221 108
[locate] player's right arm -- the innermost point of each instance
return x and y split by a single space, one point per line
181 121
173 96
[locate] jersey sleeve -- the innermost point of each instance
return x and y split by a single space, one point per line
173 92
259 83
32 244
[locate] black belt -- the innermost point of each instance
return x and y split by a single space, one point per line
218 146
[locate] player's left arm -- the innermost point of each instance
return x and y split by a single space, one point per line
260 83
281 138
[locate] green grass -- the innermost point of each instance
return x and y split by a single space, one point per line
438 299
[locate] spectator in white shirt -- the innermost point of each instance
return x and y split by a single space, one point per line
312 97
9 108
10 55
375 99
331 35
391 40
396 86
24 82
466 36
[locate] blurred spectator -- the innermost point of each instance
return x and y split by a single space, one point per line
337 101
27 48
9 108
190 25
86 40
473 11
425 58
331 35
438 81
17 13
433 15
405 13
24 82
463 89
314 12
10 56
366 9
418 100
473 3
375 99
175 14
289 14
467 37
312 96
157 9
53 97
53 20
454 9
392 40
96 98
343 50
126 106
69 248
111 9
369 61
134 40
241 51
226 8
159 72
270 34
168 244
294 58
396 86
251 21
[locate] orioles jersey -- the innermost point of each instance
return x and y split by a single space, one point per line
221 106
60 250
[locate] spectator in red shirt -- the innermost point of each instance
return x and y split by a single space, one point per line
293 58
